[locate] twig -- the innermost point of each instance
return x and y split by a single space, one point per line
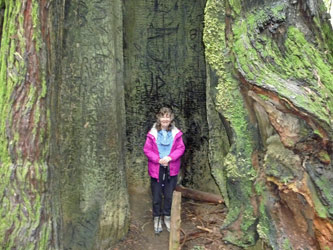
192 236
184 239
202 224
143 226
205 229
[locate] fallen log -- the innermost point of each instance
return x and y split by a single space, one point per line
199 195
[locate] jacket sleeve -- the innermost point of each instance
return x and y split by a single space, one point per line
148 149
179 150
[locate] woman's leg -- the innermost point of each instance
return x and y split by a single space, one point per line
169 187
156 191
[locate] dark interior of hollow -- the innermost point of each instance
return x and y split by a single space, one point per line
165 66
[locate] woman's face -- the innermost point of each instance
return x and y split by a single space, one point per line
165 121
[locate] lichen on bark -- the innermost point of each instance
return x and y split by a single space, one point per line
275 73
237 165
88 114
25 206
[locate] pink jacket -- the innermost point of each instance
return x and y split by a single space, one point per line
151 151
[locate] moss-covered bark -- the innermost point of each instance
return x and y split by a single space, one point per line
24 194
273 61
88 124
237 174
268 103
62 169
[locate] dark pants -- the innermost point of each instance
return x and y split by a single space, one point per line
165 186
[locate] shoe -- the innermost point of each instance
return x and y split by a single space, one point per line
158 224
167 220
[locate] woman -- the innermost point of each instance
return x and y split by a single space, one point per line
164 146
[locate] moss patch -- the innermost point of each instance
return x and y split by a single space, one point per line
237 166
299 71
25 221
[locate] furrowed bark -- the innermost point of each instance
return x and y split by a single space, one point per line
271 62
88 122
25 202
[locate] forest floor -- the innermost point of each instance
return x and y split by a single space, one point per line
200 226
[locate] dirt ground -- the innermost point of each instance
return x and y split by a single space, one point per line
200 224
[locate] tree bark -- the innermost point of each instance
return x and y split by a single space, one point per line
88 123
63 182
165 65
62 117
26 216
271 63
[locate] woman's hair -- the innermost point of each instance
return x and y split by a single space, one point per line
160 114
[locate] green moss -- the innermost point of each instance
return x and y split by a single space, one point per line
263 227
229 99
249 220
278 11
37 37
20 177
264 97
324 156
280 69
237 164
325 186
319 207
301 61
286 245
220 178
259 188
236 6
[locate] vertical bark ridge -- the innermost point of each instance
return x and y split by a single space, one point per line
88 125
25 206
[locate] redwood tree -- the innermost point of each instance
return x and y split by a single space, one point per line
62 122
62 168
271 64
25 201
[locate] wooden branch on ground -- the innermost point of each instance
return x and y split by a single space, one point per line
191 236
174 240
199 195
205 229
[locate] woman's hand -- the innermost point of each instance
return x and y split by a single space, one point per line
165 160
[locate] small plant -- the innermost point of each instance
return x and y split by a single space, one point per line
198 248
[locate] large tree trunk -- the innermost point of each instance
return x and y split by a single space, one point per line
26 221
62 122
88 123
271 62
63 182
